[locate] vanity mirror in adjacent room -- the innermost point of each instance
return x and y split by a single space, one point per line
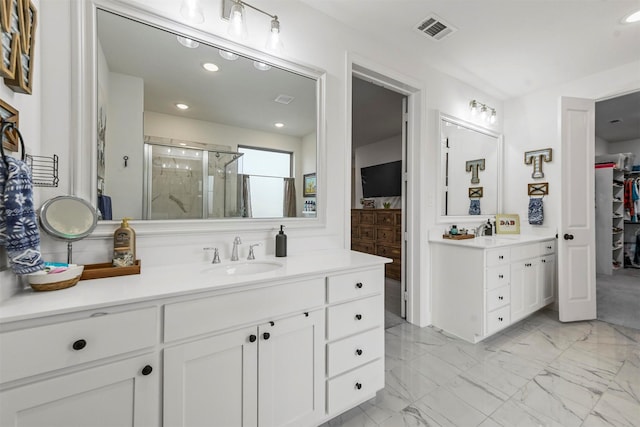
189 130
470 170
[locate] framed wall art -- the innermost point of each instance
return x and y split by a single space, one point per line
507 224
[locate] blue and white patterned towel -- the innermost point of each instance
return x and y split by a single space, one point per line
474 207
18 224
536 213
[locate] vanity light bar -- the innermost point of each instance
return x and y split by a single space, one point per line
486 112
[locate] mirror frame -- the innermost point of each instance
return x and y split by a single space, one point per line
58 234
83 182
449 219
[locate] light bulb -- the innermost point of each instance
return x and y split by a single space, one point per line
274 42
492 117
484 112
182 106
237 25
192 12
261 66
229 56
186 42
473 105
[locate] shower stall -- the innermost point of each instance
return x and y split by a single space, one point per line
184 181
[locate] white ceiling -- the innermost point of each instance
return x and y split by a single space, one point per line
505 47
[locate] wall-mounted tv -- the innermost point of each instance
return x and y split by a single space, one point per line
384 180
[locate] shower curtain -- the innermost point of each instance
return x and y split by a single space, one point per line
289 206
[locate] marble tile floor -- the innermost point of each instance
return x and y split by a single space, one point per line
618 297
392 301
538 372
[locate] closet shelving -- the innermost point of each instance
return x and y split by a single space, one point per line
609 219
631 228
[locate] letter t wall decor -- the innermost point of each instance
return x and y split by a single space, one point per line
474 166
18 20
536 158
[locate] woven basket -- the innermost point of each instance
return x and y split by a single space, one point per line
55 285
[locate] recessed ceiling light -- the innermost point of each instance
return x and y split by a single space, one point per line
634 17
261 66
209 66
183 144
279 125
191 44
229 56
182 106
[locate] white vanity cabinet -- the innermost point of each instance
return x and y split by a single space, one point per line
295 350
483 285
63 373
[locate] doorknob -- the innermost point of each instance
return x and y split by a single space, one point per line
568 237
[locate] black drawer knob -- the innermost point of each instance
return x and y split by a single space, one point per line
501 257
147 370
500 297
79 345
359 352
500 276
266 335
252 338
359 285
358 316
544 260
358 386
549 247
500 319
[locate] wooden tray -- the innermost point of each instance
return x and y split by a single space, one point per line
106 269
445 236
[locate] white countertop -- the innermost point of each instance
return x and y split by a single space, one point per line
495 241
173 280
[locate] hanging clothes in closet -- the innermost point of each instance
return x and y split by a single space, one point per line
632 199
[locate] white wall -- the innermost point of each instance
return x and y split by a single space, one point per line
602 146
124 137
632 146
385 151
532 122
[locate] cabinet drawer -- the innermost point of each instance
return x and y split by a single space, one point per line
498 276
355 231
389 251
354 351
497 257
41 349
385 235
355 316
498 298
385 218
359 284
525 251
367 233
354 386
366 247
498 319
366 217
215 313
548 247
355 218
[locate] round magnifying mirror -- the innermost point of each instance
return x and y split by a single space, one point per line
68 218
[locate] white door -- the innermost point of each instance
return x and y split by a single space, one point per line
576 254
122 394
291 371
212 382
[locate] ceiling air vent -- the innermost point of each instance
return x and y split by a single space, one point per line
284 99
434 27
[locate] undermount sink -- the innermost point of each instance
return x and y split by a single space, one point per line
244 268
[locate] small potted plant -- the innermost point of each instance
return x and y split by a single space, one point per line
386 205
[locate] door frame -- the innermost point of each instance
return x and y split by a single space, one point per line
415 299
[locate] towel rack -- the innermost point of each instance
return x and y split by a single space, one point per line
539 189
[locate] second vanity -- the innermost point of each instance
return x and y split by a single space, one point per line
483 285
189 346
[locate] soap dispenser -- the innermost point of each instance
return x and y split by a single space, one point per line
281 243
488 228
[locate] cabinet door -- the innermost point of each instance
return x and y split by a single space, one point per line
291 371
548 277
525 295
212 381
117 394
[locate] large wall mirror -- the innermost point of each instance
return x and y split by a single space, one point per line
470 170
190 130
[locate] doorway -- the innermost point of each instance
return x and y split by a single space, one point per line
379 184
617 129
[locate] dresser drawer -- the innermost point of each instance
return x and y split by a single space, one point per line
41 349
366 247
498 297
355 316
389 251
215 313
367 233
354 386
366 217
498 257
343 287
385 235
548 247
498 319
385 218
498 276
354 351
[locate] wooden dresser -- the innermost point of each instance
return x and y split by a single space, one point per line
379 232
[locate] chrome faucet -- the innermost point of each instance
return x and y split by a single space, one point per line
234 252
480 230
216 255
251 255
